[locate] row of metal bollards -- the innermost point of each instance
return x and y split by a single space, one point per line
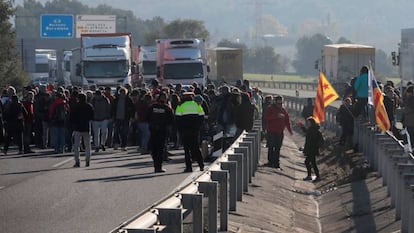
222 185
386 155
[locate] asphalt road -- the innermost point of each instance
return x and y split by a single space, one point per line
43 193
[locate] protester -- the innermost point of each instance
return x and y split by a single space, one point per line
277 119
141 118
13 120
244 114
345 118
313 141
361 91
102 113
28 122
58 112
81 117
122 110
408 117
160 116
307 110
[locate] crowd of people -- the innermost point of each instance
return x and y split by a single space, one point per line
146 119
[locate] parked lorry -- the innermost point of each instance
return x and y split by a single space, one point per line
45 68
342 62
147 62
105 60
66 67
181 61
226 65
405 57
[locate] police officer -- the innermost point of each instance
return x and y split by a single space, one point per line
160 116
189 117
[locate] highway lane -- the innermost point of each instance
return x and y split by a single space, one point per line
43 193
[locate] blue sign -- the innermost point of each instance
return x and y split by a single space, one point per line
56 26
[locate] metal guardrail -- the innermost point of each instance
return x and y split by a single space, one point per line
227 177
309 86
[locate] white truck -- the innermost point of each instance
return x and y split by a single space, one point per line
226 65
45 66
405 57
105 60
147 62
181 61
342 62
66 67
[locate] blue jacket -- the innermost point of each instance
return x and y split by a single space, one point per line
361 86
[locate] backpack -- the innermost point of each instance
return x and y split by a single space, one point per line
60 113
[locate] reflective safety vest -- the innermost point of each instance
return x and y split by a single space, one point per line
189 108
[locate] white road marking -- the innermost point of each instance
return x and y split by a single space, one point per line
63 162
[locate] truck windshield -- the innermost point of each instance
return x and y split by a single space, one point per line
182 53
42 68
148 67
183 70
106 68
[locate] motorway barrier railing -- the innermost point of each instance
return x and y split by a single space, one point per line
222 184
309 86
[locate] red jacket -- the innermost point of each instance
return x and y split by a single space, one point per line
277 119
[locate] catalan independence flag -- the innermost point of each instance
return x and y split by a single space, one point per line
325 95
377 100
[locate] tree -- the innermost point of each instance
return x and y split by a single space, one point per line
10 71
343 40
383 63
308 51
188 28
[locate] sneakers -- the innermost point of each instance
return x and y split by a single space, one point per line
124 149
318 178
308 178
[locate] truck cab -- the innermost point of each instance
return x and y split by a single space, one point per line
181 61
106 59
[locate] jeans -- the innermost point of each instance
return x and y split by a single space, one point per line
102 128
274 145
45 133
145 134
76 144
121 128
58 138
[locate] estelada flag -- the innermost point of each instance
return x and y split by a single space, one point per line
377 99
325 95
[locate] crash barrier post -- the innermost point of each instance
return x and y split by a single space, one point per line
227 177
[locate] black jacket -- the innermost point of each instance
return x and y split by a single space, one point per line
80 117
